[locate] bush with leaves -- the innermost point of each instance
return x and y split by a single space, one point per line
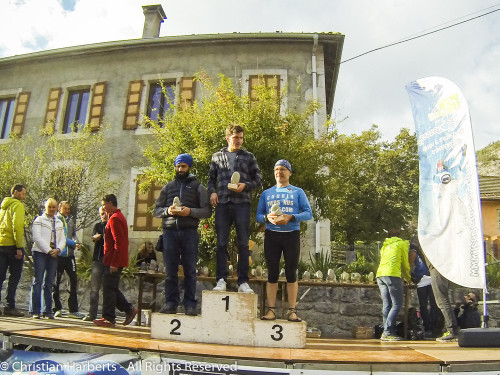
72 168
269 134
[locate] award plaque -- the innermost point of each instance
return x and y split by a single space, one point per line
235 180
276 210
176 205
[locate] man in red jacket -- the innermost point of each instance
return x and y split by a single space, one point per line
115 259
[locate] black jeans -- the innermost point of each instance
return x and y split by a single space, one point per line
96 275
180 247
429 316
15 267
225 216
67 264
113 298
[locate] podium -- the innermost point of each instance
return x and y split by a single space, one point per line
229 318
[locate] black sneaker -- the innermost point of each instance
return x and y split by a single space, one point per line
191 311
168 310
12 311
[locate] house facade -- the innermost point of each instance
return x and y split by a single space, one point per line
490 211
116 83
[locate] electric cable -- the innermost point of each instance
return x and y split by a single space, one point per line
420 36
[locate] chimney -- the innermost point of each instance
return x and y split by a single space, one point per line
153 17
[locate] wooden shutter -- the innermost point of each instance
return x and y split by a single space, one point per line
97 105
20 113
133 107
51 111
186 92
144 203
271 82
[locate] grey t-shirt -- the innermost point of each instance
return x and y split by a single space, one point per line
231 158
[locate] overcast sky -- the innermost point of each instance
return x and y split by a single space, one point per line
370 89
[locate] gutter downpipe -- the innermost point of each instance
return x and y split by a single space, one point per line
315 124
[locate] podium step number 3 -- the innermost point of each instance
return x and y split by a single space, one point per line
229 318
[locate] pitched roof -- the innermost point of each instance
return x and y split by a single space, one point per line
332 45
489 187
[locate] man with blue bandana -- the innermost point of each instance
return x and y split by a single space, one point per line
180 233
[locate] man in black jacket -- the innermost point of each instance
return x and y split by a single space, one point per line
180 233
97 270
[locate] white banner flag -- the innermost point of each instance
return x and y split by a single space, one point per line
449 222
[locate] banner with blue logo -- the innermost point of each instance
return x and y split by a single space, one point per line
449 220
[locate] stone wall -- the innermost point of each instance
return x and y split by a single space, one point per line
336 311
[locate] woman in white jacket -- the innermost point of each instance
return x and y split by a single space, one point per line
49 239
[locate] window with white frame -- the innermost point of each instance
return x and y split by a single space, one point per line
6 116
76 110
160 99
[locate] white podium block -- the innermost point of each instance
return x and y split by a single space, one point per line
178 327
280 333
224 306
230 317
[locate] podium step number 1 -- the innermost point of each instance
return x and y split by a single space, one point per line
229 318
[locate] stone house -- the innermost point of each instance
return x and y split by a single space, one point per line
117 82
490 210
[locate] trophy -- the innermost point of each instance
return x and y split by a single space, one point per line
258 271
235 180
371 277
345 277
276 210
356 277
331 276
318 275
176 205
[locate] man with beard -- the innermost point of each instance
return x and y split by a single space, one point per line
180 233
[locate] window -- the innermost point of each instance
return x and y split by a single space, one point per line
269 81
161 99
498 220
277 79
76 110
144 204
6 116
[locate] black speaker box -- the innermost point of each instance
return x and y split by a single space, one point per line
479 337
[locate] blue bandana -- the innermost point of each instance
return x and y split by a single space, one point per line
284 163
184 158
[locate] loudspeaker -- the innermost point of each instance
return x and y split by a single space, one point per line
479 337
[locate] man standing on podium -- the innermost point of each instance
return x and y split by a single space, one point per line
232 204
180 233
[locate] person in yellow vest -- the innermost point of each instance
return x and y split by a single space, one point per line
393 265
11 245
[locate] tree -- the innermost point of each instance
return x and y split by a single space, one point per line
488 160
269 134
372 186
73 168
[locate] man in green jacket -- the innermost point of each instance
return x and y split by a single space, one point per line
11 245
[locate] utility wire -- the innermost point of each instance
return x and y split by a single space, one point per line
419 36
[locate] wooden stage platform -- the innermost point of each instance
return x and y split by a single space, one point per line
358 355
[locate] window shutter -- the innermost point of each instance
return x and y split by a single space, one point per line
186 92
52 108
97 106
144 203
133 107
20 113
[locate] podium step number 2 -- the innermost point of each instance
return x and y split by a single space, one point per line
229 318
